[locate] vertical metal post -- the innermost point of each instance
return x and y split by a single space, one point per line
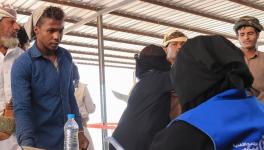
102 78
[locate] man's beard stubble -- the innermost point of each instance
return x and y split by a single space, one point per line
10 42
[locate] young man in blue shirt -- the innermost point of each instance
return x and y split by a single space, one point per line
42 85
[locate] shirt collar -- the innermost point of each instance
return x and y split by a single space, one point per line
8 52
255 55
36 52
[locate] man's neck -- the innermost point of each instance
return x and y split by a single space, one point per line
50 55
249 53
52 58
3 50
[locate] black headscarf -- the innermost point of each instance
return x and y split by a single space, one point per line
206 66
151 57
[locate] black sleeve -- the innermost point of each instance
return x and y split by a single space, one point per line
181 136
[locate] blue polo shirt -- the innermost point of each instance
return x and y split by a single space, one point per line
43 95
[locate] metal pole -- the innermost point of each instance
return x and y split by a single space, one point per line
102 78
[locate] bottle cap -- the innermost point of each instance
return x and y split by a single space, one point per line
71 116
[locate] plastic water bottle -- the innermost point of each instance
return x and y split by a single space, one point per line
71 129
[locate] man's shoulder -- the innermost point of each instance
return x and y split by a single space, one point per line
23 59
22 65
18 51
14 52
261 53
65 52
63 49
82 85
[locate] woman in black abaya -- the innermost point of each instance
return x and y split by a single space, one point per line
148 106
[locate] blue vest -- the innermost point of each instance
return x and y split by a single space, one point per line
231 119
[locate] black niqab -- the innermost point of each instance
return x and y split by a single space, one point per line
206 66
152 57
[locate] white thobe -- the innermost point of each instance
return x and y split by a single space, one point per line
86 106
6 62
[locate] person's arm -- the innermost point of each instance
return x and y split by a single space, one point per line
74 106
175 106
21 92
89 105
83 141
182 136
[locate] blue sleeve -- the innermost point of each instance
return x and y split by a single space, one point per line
72 99
21 90
74 107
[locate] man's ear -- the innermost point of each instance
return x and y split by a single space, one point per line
36 30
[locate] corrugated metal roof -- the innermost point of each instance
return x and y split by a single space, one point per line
131 27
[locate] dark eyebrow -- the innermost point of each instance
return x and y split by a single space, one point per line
56 29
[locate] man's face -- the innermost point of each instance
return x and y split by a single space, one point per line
8 27
172 49
247 37
49 34
8 32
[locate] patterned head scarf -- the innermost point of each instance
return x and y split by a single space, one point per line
7 11
173 36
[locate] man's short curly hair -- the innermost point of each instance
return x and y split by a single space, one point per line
52 12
